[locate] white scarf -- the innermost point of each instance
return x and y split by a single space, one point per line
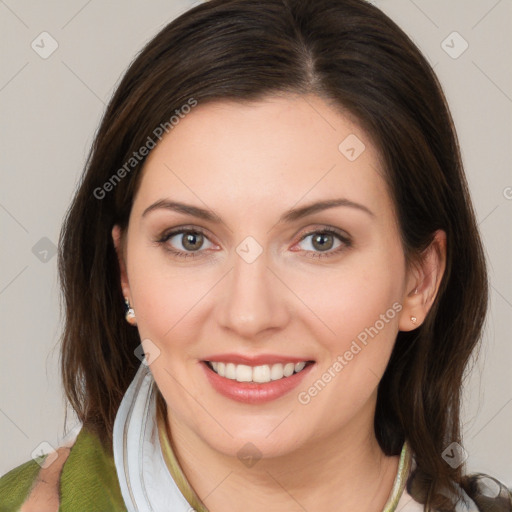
145 481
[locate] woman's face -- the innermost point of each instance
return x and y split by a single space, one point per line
259 283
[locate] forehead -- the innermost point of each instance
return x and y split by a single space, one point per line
274 153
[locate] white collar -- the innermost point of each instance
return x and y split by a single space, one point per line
145 481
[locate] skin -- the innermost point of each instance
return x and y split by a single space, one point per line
249 163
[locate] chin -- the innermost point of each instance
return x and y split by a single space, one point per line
256 440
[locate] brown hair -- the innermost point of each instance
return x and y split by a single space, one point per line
352 55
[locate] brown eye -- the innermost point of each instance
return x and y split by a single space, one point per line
192 241
185 243
322 241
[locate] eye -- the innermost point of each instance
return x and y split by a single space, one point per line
323 241
184 243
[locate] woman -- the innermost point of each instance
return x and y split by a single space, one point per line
273 277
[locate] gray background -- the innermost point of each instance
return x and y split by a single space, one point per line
51 107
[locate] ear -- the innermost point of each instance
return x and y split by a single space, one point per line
423 283
119 244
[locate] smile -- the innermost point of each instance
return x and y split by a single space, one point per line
255 382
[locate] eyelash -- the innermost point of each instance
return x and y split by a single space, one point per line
346 242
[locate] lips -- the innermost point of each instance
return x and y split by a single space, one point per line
255 380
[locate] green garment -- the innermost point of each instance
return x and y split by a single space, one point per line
15 486
88 480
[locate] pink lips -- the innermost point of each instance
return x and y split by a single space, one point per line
252 392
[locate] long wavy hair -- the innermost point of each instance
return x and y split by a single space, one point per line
352 55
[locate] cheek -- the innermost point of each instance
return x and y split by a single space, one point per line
349 300
353 360
360 303
167 296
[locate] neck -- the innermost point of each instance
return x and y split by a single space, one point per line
347 468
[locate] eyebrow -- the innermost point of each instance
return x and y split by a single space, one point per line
289 216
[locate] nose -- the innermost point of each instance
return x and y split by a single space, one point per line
255 300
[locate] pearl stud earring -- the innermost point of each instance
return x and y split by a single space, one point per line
130 313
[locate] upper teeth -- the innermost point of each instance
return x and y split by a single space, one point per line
261 374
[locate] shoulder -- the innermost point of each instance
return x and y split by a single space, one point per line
81 477
33 486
